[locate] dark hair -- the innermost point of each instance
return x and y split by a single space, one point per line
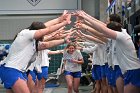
37 26
115 18
115 26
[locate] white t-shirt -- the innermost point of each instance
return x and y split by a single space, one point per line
125 52
112 50
104 54
21 51
112 61
91 49
106 47
109 52
42 60
70 66
98 53
114 55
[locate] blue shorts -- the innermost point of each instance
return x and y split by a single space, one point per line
25 75
111 77
10 75
74 74
133 77
44 74
96 72
104 70
33 74
118 72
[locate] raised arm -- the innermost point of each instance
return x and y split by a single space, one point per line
54 35
64 16
98 26
49 44
89 37
42 32
52 22
99 35
56 52
94 18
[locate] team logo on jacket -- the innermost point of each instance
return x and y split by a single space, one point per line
33 2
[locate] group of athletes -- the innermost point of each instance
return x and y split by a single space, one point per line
116 68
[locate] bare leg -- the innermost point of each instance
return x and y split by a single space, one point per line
110 89
20 86
76 85
31 84
41 85
129 88
104 85
69 80
120 85
98 86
